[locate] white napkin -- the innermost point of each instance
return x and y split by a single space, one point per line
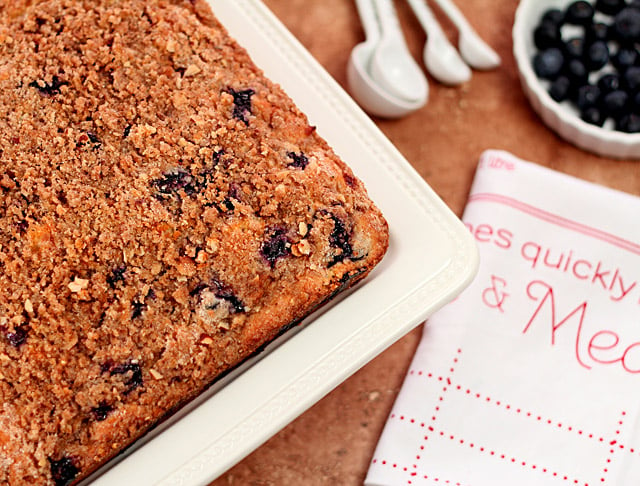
532 376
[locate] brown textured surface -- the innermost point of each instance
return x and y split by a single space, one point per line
165 211
333 442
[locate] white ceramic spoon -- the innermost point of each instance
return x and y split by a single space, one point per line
476 52
364 89
392 65
441 59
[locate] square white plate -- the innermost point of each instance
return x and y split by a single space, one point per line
431 259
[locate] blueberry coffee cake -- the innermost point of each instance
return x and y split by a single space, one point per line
165 211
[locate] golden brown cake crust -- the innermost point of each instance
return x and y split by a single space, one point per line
165 211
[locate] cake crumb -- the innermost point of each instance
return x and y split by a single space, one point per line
28 306
202 257
156 374
150 215
78 285
192 70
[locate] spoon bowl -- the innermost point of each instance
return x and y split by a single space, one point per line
366 91
441 59
444 63
477 52
392 65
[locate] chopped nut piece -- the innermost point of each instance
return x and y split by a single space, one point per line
303 229
78 284
7 183
150 129
212 245
301 248
192 70
171 45
156 374
206 341
28 306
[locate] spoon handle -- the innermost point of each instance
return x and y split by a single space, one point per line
388 18
454 13
426 18
369 19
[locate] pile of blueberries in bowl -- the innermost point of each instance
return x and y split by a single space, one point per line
588 53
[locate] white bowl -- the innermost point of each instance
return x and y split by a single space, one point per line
561 117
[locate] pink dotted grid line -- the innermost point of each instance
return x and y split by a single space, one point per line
415 474
490 452
414 466
440 399
612 450
525 413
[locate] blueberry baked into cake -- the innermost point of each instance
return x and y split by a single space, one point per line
165 211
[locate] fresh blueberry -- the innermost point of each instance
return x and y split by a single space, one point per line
560 88
593 115
547 35
610 7
574 48
579 13
597 55
597 31
631 79
576 72
554 16
63 471
625 58
629 123
609 82
547 64
588 96
614 104
626 26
